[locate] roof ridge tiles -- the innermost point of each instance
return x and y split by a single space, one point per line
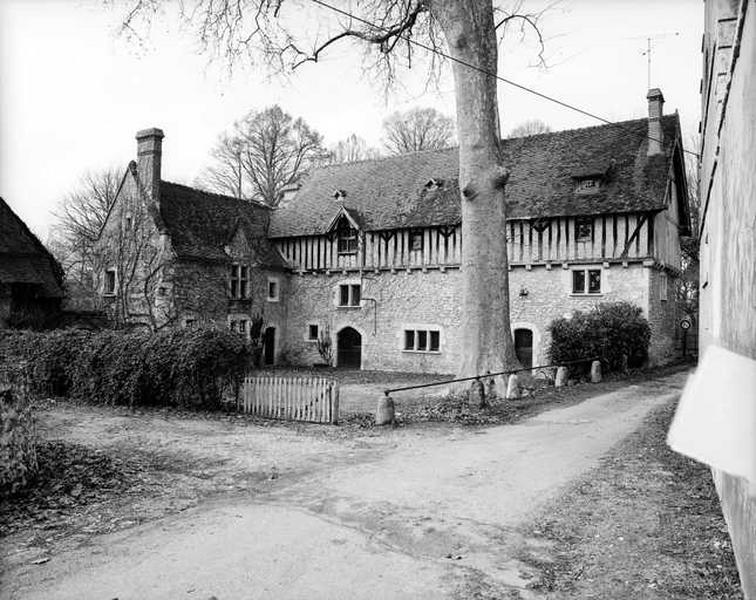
250 201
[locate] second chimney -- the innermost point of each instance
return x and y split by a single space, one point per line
655 112
149 153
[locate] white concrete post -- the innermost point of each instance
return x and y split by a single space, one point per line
477 394
596 371
561 377
384 414
513 387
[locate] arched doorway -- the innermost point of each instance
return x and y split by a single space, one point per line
349 348
269 346
523 340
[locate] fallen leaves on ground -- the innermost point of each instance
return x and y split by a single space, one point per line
645 524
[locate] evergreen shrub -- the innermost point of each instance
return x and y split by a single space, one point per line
611 331
18 442
181 368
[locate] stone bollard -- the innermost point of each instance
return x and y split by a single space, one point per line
596 371
477 394
384 414
513 387
491 389
561 377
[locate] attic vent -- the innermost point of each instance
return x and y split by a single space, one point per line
433 184
588 185
339 194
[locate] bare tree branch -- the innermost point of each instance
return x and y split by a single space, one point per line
417 129
264 152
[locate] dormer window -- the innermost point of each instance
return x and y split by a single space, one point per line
588 185
339 195
540 225
433 184
583 229
347 237
416 241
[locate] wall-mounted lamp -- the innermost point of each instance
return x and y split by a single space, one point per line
523 292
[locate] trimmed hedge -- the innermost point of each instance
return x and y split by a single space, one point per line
184 368
610 331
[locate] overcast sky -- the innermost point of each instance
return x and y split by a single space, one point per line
73 92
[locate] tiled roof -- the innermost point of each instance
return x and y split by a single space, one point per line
391 192
23 258
201 223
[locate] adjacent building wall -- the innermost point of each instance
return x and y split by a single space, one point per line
728 235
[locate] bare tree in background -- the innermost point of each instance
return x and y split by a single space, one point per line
262 153
687 291
529 127
78 221
352 148
417 129
468 32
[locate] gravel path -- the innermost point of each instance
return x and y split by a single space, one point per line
413 514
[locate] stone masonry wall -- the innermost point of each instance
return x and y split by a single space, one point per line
549 295
390 303
663 318
432 300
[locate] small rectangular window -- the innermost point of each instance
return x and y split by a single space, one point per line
350 294
312 332
422 340
416 241
243 281
190 323
343 295
586 281
110 281
274 289
234 283
409 339
578 282
583 229
435 341
594 281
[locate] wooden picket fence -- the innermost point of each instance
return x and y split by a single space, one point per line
311 399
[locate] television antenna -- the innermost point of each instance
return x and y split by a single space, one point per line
650 42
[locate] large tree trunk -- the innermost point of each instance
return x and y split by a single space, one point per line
487 345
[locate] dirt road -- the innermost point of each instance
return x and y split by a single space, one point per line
414 516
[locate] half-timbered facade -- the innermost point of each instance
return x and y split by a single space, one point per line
367 255
595 215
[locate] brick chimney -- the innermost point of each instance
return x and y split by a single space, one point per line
149 154
655 111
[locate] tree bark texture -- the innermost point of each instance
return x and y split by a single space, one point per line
468 26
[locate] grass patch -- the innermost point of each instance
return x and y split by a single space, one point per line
645 524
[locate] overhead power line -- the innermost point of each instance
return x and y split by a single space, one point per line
488 73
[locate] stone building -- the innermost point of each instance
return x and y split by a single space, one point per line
31 280
367 254
594 215
173 255
728 238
